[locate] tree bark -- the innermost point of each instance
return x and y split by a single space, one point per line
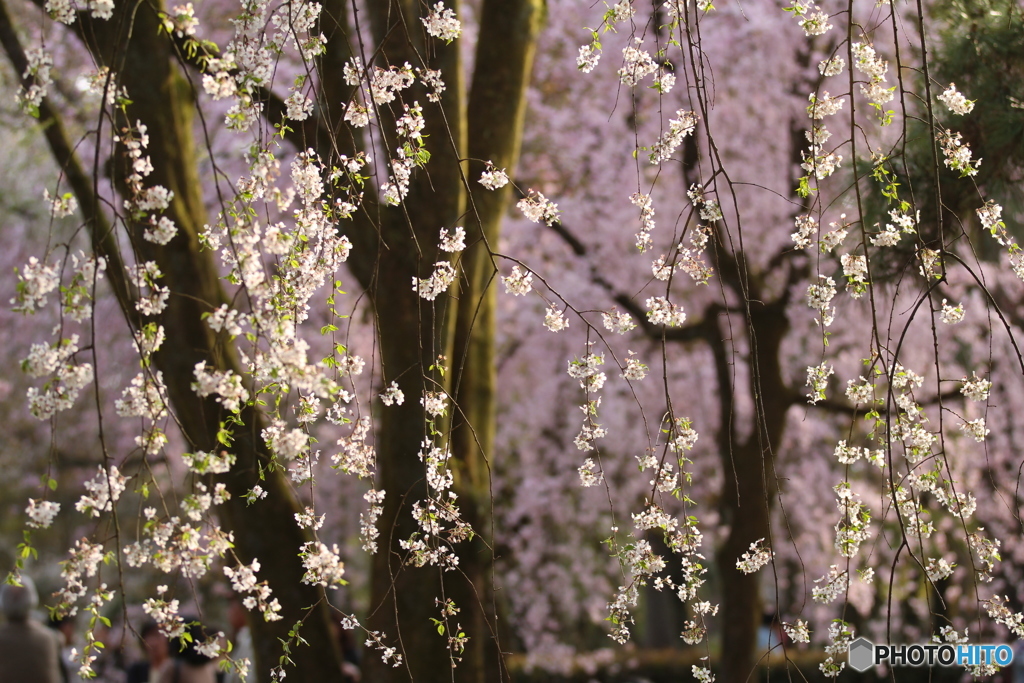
394 245
132 45
750 486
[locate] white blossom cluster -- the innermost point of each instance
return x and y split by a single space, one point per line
83 562
855 268
912 513
518 282
298 106
957 155
819 296
323 565
181 20
903 223
435 84
172 546
375 639
852 529
975 429
257 594
385 84
439 476
990 215
393 395
61 10
493 178
986 550
683 437
619 323
756 557
145 276
646 205
295 23
441 23
40 62
586 370
145 397
840 635
41 513
931 263
165 614
589 473
145 202
224 384
825 106
409 155
976 388
434 403
67 379
997 609
955 101
637 64
678 128
439 281
806 226
426 547
202 462
836 236
454 242
797 631
819 163
554 319
817 380
938 569
833 66
812 19
368 531
589 56
284 443
61 206
860 390
847 455
148 340
634 370
951 315
832 585
35 281
537 208
102 83
702 674
661 311
874 67
356 456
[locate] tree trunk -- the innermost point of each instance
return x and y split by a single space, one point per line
504 60
393 245
750 487
161 100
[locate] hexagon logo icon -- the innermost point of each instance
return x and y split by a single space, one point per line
862 654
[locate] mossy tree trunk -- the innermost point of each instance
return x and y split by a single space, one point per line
391 246
131 43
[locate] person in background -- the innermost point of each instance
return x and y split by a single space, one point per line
28 650
187 664
157 651
65 627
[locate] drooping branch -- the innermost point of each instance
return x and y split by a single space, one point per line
99 228
702 330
